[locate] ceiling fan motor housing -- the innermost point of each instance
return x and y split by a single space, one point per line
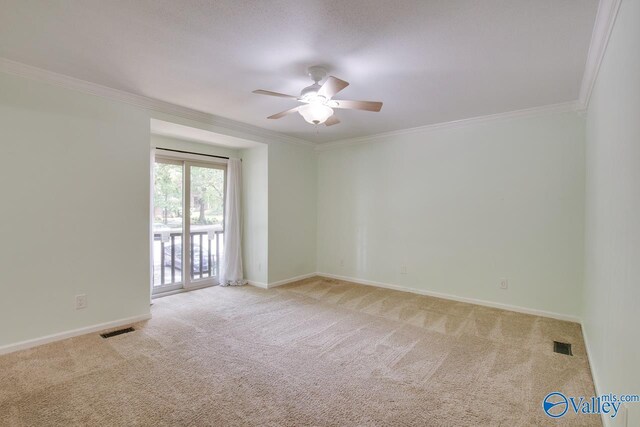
309 92
317 73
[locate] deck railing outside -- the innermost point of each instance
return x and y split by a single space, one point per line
204 255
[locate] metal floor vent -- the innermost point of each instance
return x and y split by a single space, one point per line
118 332
562 348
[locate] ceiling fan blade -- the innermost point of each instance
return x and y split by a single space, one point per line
284 113
357 105
333 120
332 86
268 92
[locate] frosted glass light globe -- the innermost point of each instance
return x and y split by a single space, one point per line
315 113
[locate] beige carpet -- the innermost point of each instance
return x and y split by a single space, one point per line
317 352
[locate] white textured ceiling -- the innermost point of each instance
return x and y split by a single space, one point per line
428 61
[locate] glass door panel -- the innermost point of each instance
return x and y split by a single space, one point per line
206 216
168 221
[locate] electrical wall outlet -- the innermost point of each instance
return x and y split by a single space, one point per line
341 263
504 283
403 269
81 301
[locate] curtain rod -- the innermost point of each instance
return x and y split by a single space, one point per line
191 152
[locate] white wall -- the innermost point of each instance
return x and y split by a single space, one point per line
612 285
75 176
292 211
255 214
461 208
74 186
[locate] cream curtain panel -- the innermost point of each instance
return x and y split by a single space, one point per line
231 273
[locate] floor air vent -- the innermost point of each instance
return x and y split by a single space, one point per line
118 332
562 348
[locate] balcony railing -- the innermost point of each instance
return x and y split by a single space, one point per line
204 256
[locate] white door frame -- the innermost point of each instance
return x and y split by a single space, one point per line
187 161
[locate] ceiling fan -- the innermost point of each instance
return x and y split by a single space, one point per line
317 103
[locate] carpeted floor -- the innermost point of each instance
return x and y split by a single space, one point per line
317 352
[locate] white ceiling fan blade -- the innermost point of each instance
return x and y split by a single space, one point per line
332 86
284 113
333 120
268 92
357 105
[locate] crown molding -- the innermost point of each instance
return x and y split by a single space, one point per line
602 28
565 107
231 127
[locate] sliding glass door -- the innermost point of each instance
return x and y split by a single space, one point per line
187 249
206 208
168 225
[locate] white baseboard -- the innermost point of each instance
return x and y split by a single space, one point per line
257 284
485 303
280 282
291 280
508 307
606 421
23 345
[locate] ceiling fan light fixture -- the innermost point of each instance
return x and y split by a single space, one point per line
315 113
317 100
313 98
